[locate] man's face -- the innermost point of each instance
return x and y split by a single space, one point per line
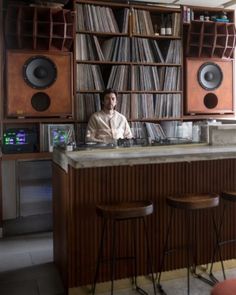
109 101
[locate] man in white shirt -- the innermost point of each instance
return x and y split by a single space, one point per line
108 125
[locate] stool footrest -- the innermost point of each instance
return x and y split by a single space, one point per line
172 250
140 290
107 260
200 277
213 278
227 242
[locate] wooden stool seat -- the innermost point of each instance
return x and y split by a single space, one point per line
193 202
125 210
229 196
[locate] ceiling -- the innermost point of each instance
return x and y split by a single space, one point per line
207 3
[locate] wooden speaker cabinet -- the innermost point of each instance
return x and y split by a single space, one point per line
39 84
209 86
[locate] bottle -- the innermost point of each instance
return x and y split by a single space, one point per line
163 27
156 30
168 25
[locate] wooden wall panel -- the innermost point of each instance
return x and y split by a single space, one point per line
149 182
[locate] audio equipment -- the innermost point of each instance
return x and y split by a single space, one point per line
19 140
209 86
39 84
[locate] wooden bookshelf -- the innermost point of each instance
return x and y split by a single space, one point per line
120 45
135 59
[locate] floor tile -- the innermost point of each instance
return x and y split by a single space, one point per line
12 245
14 261
28 287
42 256
50 285
31 273
39 242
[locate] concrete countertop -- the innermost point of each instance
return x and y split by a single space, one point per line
142 155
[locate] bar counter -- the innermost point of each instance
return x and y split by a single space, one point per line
142 155
81 179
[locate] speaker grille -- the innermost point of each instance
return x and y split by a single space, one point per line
40 101
210 76
39 72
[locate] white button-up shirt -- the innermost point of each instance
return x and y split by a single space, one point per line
103 127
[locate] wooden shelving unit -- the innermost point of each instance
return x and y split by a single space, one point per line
39 28
211 39
134 49
209 32
136 42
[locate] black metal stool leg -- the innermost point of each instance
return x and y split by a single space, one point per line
164 253
188 250
135 251
217 245
113 261
135 274
198 275
149 255
137 288
99 256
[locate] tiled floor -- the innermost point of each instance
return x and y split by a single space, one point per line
26 268
179 286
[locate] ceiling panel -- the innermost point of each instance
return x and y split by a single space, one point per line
156 1
206 3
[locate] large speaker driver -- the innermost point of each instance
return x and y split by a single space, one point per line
39 84
39 72
210 76
209 86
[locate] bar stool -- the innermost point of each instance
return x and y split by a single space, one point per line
188 203
118 212
228 199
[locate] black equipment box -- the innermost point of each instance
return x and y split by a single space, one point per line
19 140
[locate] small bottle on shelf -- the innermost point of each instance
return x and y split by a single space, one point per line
163 26
168 25
156 30
206 16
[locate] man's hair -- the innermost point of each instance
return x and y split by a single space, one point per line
108 91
